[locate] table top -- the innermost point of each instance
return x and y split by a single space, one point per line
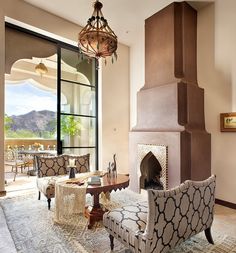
109 184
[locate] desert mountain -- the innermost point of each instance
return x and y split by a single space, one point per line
35 121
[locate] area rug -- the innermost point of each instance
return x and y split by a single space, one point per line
33 230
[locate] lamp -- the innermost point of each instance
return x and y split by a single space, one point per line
41 69
97 39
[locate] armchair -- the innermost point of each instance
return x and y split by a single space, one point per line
50 168
168 218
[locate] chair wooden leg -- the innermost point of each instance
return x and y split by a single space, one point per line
111 241
208 235
49 204
39 195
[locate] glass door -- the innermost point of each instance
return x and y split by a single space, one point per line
77 105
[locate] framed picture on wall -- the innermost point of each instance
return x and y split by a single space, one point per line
228 122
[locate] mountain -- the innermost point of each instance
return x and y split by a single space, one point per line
35 121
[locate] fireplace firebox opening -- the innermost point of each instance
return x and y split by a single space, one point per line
151 173
152 167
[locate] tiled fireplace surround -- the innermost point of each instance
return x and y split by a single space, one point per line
170 106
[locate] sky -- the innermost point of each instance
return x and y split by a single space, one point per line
23 98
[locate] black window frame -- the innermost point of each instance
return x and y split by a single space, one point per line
59 45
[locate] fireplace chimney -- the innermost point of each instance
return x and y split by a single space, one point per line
170 106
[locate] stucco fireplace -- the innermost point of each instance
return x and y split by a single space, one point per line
170 106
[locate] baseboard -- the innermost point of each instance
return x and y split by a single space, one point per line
3 193
225 203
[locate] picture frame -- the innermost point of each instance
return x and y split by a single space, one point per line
228 122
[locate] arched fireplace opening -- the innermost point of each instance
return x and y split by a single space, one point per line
150 173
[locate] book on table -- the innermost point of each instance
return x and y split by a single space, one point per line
95 180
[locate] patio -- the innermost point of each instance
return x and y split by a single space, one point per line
21 185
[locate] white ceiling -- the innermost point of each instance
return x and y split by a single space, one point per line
125 17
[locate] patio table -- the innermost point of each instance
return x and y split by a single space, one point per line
33 153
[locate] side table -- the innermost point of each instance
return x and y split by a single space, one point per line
95 213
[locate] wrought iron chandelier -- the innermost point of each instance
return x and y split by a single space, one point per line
97 39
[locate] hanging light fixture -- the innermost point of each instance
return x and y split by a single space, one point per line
97 39
41 69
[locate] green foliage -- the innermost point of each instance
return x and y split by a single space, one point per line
70 125
29 134
52 126
8 122
21 134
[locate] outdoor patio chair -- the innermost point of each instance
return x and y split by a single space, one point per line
12 160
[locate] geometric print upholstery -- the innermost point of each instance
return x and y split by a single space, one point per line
81 162
57 165
126 221
173 216
48 168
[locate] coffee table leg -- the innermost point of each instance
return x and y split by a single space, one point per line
94 213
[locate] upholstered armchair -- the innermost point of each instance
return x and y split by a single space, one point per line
49 169
166 219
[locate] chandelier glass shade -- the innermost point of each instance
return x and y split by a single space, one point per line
97 39
41 69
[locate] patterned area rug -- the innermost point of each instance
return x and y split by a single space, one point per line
33 230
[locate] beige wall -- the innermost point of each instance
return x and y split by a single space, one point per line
137 66
31 15
216 74
115 108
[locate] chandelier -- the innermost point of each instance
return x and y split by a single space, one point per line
41 69
97 39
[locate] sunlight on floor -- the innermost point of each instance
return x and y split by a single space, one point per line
22 184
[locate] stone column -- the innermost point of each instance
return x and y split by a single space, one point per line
2 91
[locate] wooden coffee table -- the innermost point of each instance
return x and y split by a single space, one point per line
95 213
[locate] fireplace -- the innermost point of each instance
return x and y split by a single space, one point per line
152 167
150 173
170 105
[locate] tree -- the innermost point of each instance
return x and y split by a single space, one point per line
70 125
51 129
8 122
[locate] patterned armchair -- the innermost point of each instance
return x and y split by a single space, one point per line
49 168
166 219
